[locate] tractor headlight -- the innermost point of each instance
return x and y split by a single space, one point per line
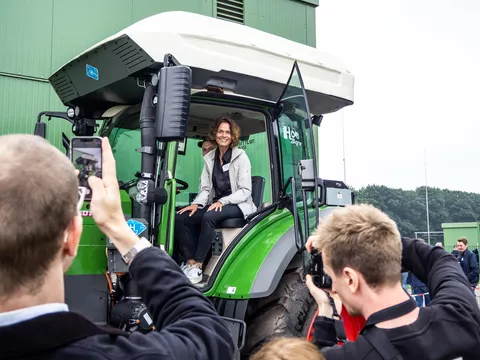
71 113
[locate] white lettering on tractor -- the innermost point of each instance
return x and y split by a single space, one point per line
292 135
86 213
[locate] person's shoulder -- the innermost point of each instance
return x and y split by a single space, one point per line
116 347
360 347
238 153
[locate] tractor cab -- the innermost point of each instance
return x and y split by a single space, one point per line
155 89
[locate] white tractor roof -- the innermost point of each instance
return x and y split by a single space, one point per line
216 45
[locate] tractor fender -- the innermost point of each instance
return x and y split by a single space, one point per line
274 265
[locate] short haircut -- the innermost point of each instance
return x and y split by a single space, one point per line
285 348
234 129
363 238
38 198
463 240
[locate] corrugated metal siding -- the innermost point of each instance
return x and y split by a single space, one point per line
39 36
102 19
25 37
145 8
21 101
285 18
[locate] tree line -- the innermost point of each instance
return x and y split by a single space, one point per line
408 207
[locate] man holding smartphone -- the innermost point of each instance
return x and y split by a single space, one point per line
41 230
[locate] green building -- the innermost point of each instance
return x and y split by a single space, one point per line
452 231
38 36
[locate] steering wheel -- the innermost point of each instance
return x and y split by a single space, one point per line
184 185
128 184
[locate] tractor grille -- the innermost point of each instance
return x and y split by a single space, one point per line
63 85
231 10
130 55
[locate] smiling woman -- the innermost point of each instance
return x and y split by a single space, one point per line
225 193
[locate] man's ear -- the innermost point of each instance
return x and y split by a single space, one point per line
352 279
73 238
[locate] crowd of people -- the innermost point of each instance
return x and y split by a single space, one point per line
361 248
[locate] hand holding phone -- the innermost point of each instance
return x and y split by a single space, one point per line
86 156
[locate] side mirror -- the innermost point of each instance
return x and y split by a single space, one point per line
337 193
40 129
173 107
317 119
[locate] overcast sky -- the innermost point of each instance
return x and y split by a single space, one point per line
416 65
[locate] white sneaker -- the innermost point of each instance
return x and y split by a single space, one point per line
183 266
194 274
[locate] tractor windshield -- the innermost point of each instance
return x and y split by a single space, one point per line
125 138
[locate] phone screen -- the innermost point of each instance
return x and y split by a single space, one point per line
86 155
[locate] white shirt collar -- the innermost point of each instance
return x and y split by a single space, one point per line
16 316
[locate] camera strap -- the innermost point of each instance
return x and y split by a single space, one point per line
338 324
377 337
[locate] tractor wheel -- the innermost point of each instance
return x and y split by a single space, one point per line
288 311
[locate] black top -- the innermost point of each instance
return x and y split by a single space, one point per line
187 324
221 179
448 328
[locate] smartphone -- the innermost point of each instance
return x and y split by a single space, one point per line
86 156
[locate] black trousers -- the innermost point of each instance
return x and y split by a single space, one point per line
207 222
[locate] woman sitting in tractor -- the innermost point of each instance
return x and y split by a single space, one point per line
225 192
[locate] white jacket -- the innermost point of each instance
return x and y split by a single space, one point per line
240 174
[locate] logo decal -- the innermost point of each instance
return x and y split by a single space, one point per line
92 72
136 226
291 134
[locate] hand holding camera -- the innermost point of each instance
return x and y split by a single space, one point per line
319 284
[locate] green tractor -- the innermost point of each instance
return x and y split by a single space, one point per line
154 89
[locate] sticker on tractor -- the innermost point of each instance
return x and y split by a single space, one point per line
291 134
86 213
136 226
231 290
92 72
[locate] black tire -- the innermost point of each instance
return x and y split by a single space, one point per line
288 311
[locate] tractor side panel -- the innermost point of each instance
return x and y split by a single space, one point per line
240 270
85 282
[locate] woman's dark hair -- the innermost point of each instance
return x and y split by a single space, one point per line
234 129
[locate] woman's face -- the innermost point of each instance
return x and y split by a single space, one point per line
223 137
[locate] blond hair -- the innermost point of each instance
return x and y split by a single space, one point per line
363 238
283 348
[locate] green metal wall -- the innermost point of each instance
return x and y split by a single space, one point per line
38 36
452 231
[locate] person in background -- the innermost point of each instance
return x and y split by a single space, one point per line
468 262
439 244
455 250
207 145
404 280
284 348
419 289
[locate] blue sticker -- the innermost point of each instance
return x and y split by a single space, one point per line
136 226
92 72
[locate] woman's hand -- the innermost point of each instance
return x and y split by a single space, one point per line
217 206
192 208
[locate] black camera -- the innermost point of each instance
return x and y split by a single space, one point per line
316 270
